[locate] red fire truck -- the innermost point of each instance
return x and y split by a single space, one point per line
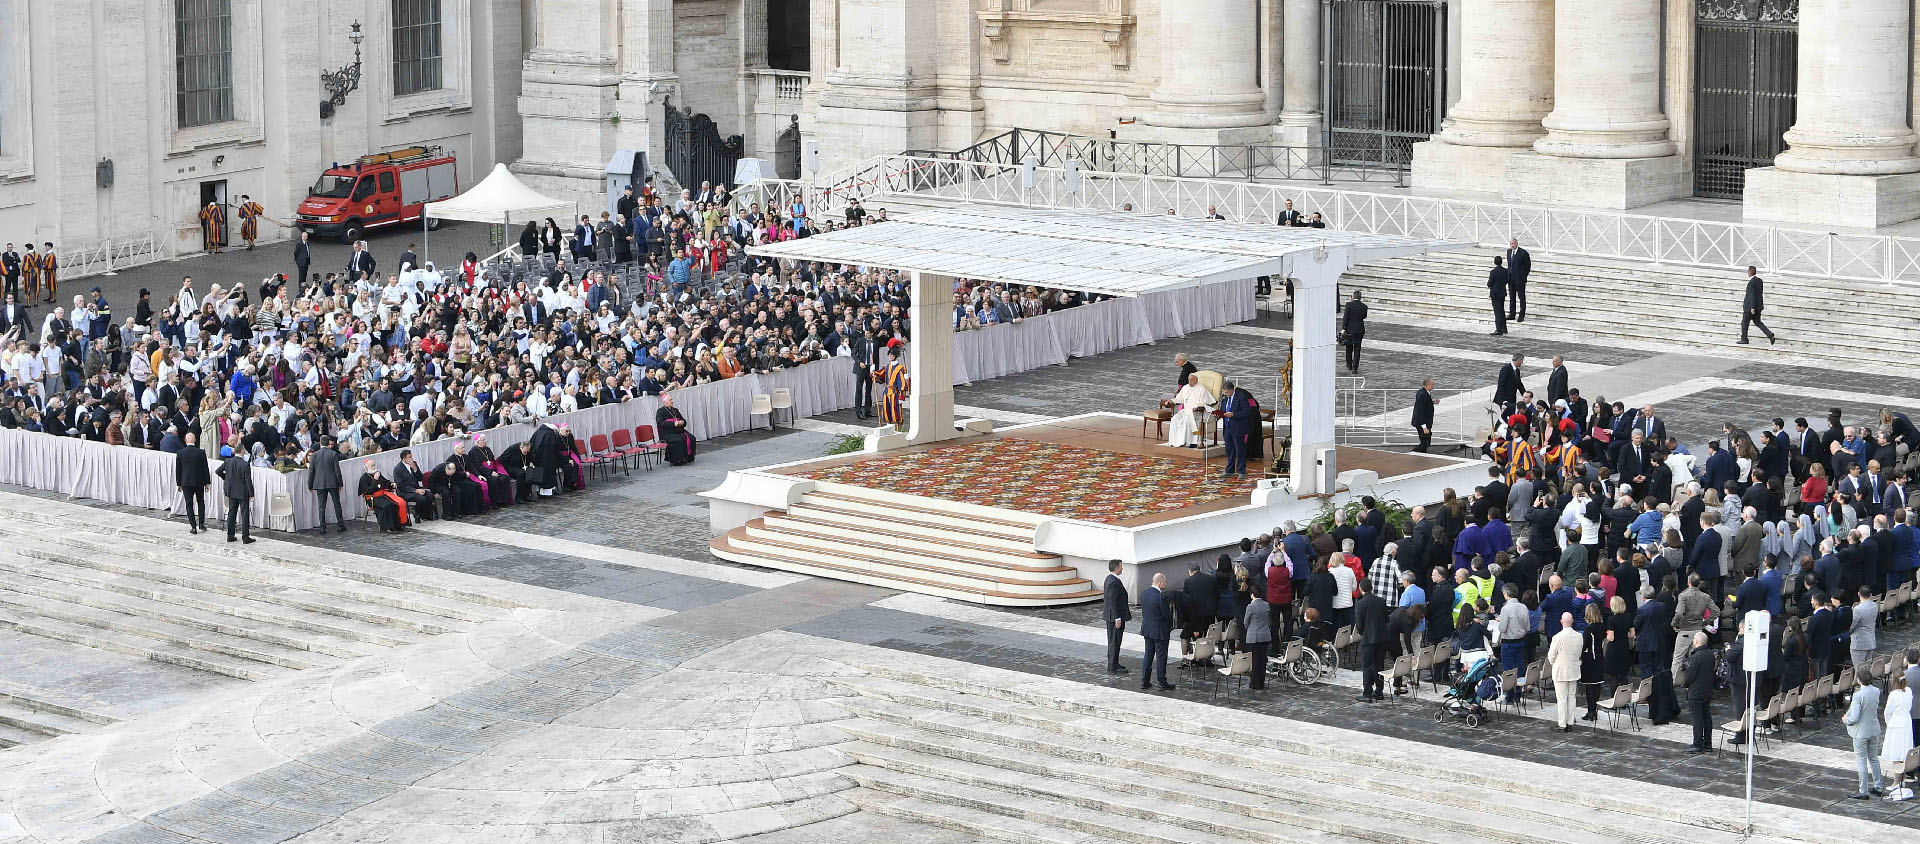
382 189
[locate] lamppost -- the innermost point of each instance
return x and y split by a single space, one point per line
346 80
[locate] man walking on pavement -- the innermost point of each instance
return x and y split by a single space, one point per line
1498 279
1751 306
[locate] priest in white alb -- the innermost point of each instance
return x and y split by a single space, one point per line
1189 406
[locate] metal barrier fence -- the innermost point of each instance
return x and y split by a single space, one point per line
1600 234
111 255
1381 163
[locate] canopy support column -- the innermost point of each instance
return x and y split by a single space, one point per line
1316 292
929 360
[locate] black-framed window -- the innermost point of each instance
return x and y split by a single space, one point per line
203 71
416 46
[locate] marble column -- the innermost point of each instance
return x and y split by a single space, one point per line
1316 292
1208 51
647 77
568 99
1850 159
929 368
880 98
1607 141
1300 113
1506 88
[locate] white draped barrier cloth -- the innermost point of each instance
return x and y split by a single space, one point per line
144 478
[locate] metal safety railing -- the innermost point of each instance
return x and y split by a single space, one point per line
1385 162
111 255
1372 416
1730 246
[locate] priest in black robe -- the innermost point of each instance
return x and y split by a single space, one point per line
548 454
383 499
518 464
459 494
671 428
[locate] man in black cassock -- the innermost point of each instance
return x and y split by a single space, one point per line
382 497
672 430
459 494
518 464
547 455
484 468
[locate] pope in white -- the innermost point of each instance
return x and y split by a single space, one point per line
1183 430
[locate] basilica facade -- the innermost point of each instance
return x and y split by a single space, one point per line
1799 110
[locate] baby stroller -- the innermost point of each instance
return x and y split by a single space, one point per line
1463 698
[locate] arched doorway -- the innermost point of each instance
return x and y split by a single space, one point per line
1746 59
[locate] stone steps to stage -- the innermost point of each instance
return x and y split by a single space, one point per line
27 719
1020 761
110 581
1606 300
915 545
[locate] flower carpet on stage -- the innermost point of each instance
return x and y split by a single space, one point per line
1041 477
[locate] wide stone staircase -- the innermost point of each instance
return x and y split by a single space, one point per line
1600 301
127 584
1029 763
915 544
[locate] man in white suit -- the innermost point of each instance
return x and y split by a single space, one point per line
1563 654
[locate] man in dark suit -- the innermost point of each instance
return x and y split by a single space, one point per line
1290 217
408 259
1498 279
302 258
1353 328
1705 560
1370 623
1631 464
1752 304
1720 467
1650 425
1240 417
1700 694
1519 265
583 239
1156 627
1557 383
1199 604
1509 387
191 476
14 314
411 482
1116 615
237 479
360 263
323 480
1423 415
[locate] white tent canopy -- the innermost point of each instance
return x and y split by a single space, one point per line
502 199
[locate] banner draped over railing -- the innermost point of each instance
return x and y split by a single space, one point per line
144 478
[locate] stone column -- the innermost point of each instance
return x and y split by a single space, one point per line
567 100
1850 158
1607 141
1316 292
880 98
1208 49
647 77
1506 88
929 368
1300 114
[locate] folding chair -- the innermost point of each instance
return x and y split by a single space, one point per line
1509 686
587 460
1898 772
782 400
1343 639
762 405
605 453
643 438
1401 669
1622 700
1240 665
1442 657
623 445
1536 681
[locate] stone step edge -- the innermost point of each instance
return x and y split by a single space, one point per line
744 539
115 625
1145 774
25 701
1408 767
719 547
761 524
236 610
88 638
175 617
343 572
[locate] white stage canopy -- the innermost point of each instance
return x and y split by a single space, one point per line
1116 253
502 199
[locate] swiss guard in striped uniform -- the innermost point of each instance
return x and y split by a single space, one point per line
1522 460
213 227
893 400
50 270
30 273
250 212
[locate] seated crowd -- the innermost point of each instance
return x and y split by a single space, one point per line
1603 520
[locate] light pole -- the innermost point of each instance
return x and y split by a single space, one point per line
346 80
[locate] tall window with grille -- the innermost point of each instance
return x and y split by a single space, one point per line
203 73
416 46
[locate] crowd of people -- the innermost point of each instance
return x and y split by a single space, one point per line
1606 551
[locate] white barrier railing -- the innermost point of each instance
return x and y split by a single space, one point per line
1565 231
1375 417
111 255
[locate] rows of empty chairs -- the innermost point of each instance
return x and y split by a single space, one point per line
624 448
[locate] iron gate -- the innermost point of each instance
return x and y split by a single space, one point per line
1385 81
696 152
1746 54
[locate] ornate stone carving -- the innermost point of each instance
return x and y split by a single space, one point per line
1760 11
1107 17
